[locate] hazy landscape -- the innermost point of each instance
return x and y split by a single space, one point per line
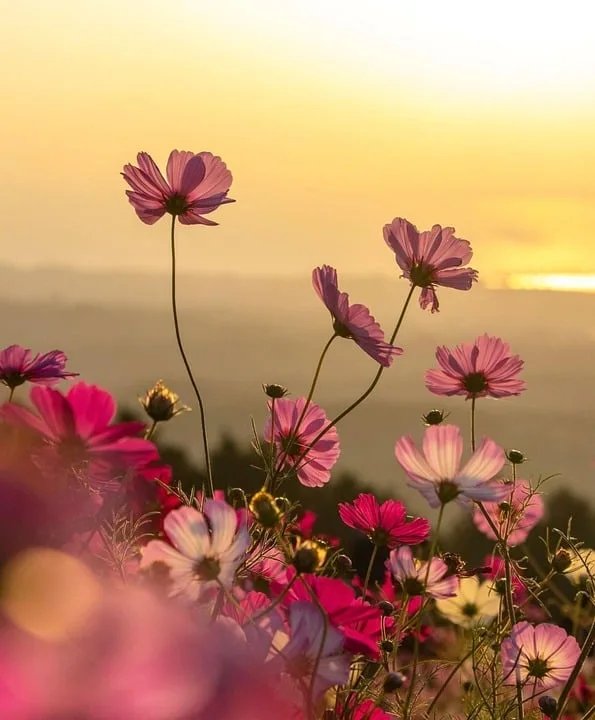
241 332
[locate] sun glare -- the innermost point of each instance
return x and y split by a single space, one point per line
568 283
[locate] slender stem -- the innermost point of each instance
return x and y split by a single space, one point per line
201 408
473 423
150 431
10 395
369 570
585 651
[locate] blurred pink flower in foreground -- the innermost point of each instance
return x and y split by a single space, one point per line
385 524
479 369
430 258
207 548
352 321
78 432
18 366
411 575
437 475
314 469
514 516
195 186
540 657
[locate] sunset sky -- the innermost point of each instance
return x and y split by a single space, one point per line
334 116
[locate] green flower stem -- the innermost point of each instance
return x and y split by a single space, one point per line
473 423
369 570
585 652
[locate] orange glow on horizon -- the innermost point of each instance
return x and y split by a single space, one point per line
567 283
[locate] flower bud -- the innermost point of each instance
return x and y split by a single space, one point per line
386 607
160 403
343 563
467 686
275 391
265 509
434 417
387 646
393 682
309 556
548 706
561 561
515 457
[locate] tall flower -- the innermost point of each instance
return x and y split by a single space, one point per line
430 258
540 657
352 321
314 652
293 441
196 185
206 548
417 579
515 516
475 603
18 366
483 368
437 475
78 431
384 524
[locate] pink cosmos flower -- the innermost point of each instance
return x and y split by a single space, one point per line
484 368
540 657
411 575
313 641
515 516
195 186
437 475
314 468
78 433
18 366
352 321
384 524
430 258
206 549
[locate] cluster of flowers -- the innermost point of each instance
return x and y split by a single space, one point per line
123 597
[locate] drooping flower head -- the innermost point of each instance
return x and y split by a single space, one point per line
475 603
206 549
515 516
78 433
483 368
386 524
352 321
540 657
430 258
416 579
437 474
196 185
293 442
18 366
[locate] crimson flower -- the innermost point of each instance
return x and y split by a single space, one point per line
195 186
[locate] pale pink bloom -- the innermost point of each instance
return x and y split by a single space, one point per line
416 579
314 469
385 524
18 365
195 186
352 321
539 657
515 516
311 640
437 474
206 549
430 258
484 368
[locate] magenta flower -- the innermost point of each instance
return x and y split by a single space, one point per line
314 469
540 657
207 548
18 366
384 524
352 321
480 369
195 186
515 516
416 579
437 475
430 258
78 432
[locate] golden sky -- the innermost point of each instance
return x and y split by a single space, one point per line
333 115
